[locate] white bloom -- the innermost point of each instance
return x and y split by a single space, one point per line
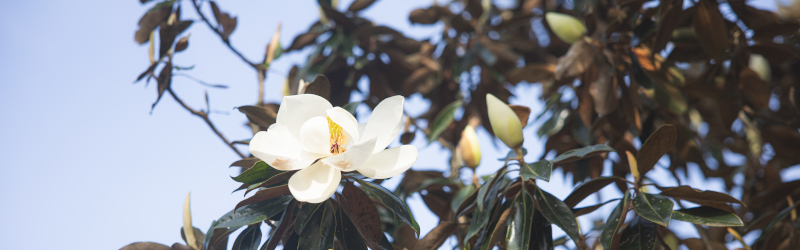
505 123
321 141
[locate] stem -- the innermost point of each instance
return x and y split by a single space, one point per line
224 40
205 118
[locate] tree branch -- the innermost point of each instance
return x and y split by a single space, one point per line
205 118
224 40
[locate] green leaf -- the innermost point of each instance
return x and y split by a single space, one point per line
260 172
347 233
708 216
779 217
320 230
304 215
490 188
443 120
582 153
555 123
398 207
351 107
519 229
249 239
460 196
254 213
615 221
277 234
555 211
540 170
639 235
588 188
653 207
279 179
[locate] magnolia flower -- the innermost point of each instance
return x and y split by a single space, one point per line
505 123
321 141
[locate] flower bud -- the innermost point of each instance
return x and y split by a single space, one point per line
470 148
567 28
760 65
505 123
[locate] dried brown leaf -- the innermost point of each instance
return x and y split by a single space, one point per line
578 58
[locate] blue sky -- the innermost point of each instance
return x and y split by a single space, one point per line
85 165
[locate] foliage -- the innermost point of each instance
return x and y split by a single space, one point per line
694 82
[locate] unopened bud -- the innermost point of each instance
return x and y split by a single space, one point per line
567 28
470 148
505 123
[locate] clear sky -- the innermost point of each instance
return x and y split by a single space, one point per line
85 165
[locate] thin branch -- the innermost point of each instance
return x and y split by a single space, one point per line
224 40
205 118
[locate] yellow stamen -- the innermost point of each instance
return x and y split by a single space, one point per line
338 138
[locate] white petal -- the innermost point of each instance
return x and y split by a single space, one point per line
353 158
346 121
385 122
278 149
315 136
315 183
295 110
389 162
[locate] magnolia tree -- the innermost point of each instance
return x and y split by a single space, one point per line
694 84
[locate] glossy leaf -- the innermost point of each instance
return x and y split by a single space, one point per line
658 144
582 153
708 216
249 239
273 181
347 234
639 235
653 207
320 230
542 237
254 213
519 229
304 215
443 120
264 194
615 221
362 213
489 189
277 234
588 209
555 211
539 170
216 237
588 188
259 172
388 199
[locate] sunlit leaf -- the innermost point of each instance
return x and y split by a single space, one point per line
653 207
540 170
582 153
708 216
615 221
558 213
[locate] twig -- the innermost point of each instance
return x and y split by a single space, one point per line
205 118
224 40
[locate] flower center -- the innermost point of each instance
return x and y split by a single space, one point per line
338 138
